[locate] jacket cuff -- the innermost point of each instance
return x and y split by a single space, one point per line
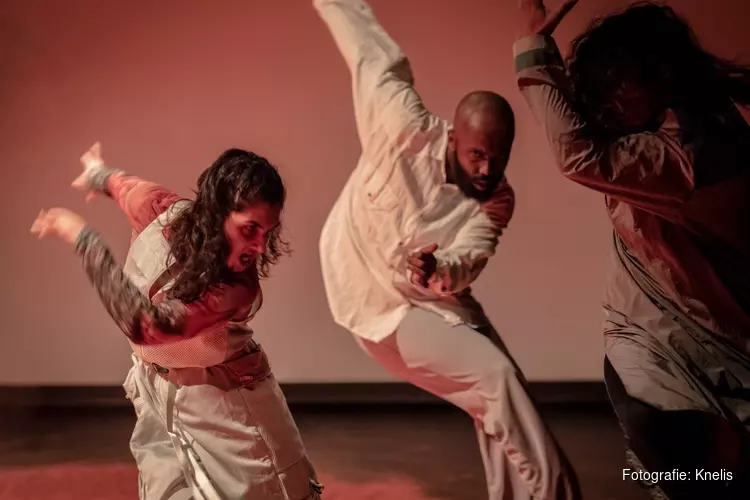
534 51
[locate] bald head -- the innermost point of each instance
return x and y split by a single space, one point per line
484 110
480 142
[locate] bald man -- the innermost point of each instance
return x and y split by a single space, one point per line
413 228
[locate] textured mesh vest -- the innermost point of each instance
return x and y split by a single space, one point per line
146 266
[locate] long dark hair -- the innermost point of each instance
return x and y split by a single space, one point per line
196 237
649 44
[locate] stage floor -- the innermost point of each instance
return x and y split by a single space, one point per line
430 447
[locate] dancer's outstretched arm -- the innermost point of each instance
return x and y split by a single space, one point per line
142 321
387 108
141 200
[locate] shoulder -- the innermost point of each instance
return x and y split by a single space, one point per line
169 211
500 207
163 200
238 296
424 137
143 201
171 207
503 193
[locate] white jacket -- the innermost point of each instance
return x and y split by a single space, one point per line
397 200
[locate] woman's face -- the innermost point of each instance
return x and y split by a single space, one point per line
629 108
247 232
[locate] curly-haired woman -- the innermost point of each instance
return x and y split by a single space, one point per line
212 422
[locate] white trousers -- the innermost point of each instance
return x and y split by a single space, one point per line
475 372
202 443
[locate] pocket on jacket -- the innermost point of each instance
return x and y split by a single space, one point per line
379 193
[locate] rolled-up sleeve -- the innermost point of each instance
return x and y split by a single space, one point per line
647 170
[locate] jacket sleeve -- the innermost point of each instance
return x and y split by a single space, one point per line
460 264
647 170
387 108
144 322
141 201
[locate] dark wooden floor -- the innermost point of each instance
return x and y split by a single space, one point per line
434 445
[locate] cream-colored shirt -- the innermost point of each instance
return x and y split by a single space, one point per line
397 200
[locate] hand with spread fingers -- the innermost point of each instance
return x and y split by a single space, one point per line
538 21
423 265
60 222
92 163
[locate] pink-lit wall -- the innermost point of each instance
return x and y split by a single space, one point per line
167 85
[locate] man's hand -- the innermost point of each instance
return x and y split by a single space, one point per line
536 19
91 160
423 265
59 222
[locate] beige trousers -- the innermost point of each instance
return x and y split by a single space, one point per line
204 443
475 372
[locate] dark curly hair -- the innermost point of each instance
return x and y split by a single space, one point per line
650 45
196 237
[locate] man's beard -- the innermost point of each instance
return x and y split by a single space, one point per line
464 182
